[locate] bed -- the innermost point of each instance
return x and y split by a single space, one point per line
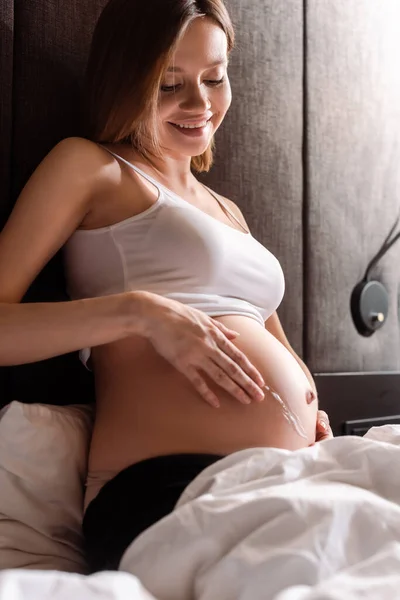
263 523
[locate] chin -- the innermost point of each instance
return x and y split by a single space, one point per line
189 150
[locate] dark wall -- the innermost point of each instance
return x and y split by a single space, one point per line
44 45
353 177
6 70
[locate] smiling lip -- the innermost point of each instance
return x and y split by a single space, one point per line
195 121
197 132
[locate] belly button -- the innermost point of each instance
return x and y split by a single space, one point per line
310 396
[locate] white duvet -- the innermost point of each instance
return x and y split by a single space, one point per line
320 523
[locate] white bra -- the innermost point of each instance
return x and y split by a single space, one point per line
178 251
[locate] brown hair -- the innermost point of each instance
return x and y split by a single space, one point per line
131 48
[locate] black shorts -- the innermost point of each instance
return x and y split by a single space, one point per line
132 501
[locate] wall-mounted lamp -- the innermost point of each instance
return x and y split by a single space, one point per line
369 301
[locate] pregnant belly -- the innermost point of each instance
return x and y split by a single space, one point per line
146 408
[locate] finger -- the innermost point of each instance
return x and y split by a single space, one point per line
323 429
200 385
223 380
241 359
234 379
322 438
323 434
230 333
323 415
323 422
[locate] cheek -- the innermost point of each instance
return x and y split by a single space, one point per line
166 109
223 101
228 96
224 94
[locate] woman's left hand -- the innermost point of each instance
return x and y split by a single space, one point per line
323 429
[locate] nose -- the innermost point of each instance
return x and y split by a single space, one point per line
196 100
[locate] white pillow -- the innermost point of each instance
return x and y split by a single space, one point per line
43 465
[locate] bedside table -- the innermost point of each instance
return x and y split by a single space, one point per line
357 401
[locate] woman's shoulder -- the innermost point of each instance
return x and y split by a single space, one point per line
80 151
87 161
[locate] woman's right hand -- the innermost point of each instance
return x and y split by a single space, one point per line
194 343
323 429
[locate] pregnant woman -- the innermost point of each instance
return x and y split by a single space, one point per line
173 302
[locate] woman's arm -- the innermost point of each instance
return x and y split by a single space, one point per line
33 332
51 206
49 209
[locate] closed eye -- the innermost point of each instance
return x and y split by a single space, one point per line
215 82
169 88
173 88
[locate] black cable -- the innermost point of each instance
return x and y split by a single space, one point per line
383 249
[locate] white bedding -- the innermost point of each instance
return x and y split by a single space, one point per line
20 584
320 523
323 522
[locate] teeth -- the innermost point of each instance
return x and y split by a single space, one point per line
191 126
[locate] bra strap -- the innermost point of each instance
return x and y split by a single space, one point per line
157 184
145 175
226 207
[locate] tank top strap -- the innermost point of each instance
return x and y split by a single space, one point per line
225 207
160 186
135 168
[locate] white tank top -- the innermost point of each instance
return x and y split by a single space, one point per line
178 251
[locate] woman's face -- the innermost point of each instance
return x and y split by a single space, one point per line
195 90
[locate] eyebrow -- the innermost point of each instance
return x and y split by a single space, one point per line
220 61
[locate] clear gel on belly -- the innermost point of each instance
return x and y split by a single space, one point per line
288 413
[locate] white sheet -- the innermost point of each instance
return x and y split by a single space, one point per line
319 523
263 524
20 584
